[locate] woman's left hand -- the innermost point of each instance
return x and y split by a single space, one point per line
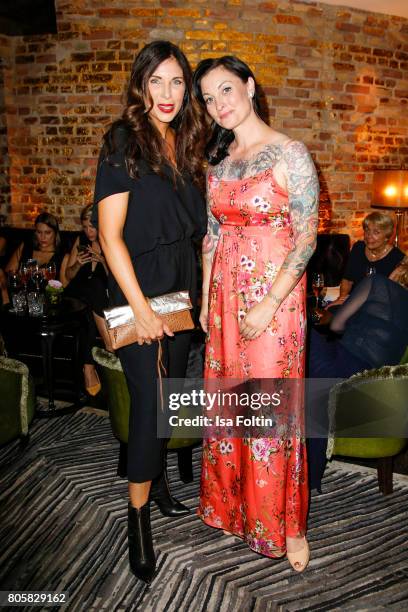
257 320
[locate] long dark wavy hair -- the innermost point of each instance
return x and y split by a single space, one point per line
52 222
143 139
220 138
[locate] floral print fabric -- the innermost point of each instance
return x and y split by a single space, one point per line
255 488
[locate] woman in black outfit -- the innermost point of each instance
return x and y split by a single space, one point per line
85 276
374 254
150 213
44 246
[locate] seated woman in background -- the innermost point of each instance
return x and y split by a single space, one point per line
44 247
84 276
374 327
374 254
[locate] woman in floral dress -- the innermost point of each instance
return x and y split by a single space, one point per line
262 203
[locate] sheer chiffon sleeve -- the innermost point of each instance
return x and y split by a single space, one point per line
351 305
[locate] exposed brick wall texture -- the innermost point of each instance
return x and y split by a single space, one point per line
335 78
5 54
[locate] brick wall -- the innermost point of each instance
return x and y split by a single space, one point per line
5 55
335 78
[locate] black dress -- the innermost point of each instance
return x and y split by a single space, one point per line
163 223
358 263
89 286
28 253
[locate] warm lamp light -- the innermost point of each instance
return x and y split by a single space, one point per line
390 191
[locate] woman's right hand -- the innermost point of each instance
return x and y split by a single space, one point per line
204 314
149 327
340 300
84 257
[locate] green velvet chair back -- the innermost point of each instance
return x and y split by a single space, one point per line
115 386
17 401
369 412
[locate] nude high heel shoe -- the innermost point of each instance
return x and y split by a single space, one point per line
299 560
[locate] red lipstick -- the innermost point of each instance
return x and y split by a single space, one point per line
166 108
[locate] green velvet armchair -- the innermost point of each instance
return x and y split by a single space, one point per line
368 416
118 400
17 400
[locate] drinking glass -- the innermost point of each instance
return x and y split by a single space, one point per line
19 302
317 285
35 301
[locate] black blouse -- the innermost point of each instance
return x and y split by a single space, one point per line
358 263
162 222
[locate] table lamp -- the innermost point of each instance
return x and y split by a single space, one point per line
390 191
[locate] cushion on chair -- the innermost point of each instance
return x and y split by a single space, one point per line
17 395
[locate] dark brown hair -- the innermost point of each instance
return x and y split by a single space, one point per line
86 213
52 222
143 139
220 138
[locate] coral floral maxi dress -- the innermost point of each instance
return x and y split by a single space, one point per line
254 487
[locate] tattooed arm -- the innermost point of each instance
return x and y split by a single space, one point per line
209 245
303 190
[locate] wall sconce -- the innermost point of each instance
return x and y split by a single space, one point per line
390 191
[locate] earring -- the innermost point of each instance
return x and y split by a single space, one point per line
250 94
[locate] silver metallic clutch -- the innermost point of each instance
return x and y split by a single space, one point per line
173 308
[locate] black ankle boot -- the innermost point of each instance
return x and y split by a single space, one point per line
160 493
142 559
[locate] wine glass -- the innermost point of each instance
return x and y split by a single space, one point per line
317 285
37 279
14 283
25 273
50 271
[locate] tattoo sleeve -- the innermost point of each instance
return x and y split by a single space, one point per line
211 238
303 190
209 244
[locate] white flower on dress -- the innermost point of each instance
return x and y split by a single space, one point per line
207 510
261 204
249 265
226 447
277 222
270 270
261 483
259 291
260 449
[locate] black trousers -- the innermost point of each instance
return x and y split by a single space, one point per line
146 452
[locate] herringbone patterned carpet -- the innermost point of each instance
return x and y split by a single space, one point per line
63 527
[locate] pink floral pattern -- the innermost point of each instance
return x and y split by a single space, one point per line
255 488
